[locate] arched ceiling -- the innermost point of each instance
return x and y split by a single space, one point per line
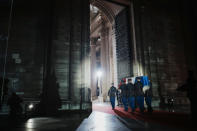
104 11
109 9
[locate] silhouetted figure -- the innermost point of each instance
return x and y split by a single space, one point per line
124 94
170 101
118 95
190 88
14 102
89 95
50 100
55 101
5 89
148 97
139 94
112 95
131 95
97 91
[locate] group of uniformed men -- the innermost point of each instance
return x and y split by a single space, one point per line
132 95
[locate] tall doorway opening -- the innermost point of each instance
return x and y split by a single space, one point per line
109 41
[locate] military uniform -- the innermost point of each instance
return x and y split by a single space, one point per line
112 94
139 95
124 95
131 96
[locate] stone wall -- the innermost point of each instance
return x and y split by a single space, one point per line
161 47
123 45
24 65
49 50
52 38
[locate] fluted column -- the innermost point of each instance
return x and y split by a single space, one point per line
105 60
114 59
93 67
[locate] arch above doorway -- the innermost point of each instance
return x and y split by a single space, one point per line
107 11
102 33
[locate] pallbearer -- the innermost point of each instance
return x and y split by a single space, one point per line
124 94
131 95
139 94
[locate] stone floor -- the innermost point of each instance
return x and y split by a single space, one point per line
97 121
65 122
101 119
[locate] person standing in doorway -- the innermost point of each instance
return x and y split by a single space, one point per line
124 94
139 94
97 91
131 95
112 95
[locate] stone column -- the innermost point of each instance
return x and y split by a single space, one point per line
111 67
105 60
93 67
114 58
133 32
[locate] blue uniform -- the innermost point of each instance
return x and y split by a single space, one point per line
131 96
139 95
124 95
112 94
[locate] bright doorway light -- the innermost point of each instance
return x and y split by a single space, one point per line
99 73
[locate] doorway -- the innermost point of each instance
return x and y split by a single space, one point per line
109 47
